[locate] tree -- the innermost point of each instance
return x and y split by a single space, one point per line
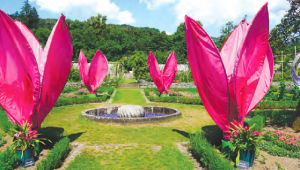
42 35
180 43
98 23
138 61
29 16
288 31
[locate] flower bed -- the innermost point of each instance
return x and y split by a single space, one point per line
283 140
275 150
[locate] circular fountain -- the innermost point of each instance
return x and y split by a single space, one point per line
130 114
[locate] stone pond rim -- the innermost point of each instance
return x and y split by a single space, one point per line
168 113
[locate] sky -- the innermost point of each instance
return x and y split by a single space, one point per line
165 15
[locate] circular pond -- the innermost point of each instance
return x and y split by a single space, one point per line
109 115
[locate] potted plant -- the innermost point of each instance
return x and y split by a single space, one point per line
244 143
25 141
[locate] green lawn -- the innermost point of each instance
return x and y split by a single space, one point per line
139 154
131 157
129 96
127 81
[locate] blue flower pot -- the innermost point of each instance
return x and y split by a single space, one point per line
27 154
247 156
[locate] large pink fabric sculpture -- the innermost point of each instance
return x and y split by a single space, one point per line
94 75
233 81
162 80
32 78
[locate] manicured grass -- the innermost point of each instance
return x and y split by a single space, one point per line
127 81
68 120
132 157
129 96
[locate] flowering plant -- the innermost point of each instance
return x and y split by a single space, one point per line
173 93
282 139
25 137
81 91
243 139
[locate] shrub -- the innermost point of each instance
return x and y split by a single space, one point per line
70 89
205 153
71 101
147 93
104 97
101 89
277 105
56 155
8 159
213 134
278 117
2 141
175 99
74 75
111 91
259 122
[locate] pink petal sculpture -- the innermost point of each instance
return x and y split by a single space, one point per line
94 75
233 81
32 78
162 80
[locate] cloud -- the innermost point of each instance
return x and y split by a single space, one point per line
168 33
219 12
83 9
155 4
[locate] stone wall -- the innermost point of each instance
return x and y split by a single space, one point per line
74 85
145 84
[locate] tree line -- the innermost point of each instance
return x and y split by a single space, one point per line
130 45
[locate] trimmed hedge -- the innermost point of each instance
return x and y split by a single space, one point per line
111 91
277 105
278 117
175 99
205 153
259 122
86 99
103 89
70 89
8 159
56 155
282 105
147 93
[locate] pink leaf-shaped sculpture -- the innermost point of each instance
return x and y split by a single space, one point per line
231 83
19 73
162 80
94 75
38 75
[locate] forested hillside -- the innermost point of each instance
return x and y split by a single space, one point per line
115 41
130 45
